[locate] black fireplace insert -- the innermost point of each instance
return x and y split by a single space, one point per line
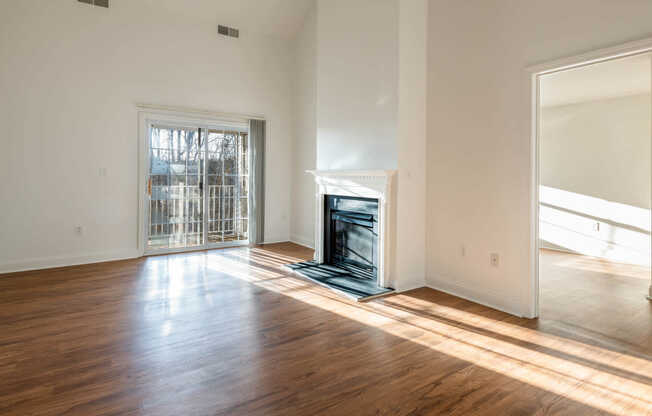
351 235
350 250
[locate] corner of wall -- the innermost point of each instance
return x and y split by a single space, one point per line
301 227
492 300
411 189
304 241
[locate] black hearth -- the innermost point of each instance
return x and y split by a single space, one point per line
350 248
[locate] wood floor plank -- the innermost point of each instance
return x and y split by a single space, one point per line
232 332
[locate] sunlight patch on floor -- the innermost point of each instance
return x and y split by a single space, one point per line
475 339
594 264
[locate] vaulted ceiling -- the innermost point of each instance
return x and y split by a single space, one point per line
279 18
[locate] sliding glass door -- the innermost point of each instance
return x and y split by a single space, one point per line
197 187
175 195
228 185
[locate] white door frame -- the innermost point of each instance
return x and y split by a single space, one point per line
534 73
149 115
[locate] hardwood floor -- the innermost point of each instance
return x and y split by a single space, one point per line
597 299
230 332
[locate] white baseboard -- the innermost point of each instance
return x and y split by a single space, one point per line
407 286
63 261
491 300
303 241
276 241
644 263
557 248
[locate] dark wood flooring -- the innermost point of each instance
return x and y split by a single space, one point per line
230 332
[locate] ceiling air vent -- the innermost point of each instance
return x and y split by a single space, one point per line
99 3
228 31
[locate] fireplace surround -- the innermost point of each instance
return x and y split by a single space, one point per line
363 203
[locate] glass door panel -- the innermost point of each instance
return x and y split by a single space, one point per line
227 162
175 188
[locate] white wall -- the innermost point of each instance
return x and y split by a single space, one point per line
357 59
410 250
595 167
304 145
599 148
70 75
479 133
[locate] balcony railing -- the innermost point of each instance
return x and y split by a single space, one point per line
177 215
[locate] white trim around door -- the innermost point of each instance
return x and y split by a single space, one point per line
534 73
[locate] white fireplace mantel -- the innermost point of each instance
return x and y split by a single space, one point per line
377 184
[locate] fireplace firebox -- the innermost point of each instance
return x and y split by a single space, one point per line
351 235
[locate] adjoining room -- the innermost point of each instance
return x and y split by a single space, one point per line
595 182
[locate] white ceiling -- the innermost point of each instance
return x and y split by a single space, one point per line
617 78
278 18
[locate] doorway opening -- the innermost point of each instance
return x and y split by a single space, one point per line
593 198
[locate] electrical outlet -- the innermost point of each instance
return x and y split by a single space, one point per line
79 230
494 259
463 250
